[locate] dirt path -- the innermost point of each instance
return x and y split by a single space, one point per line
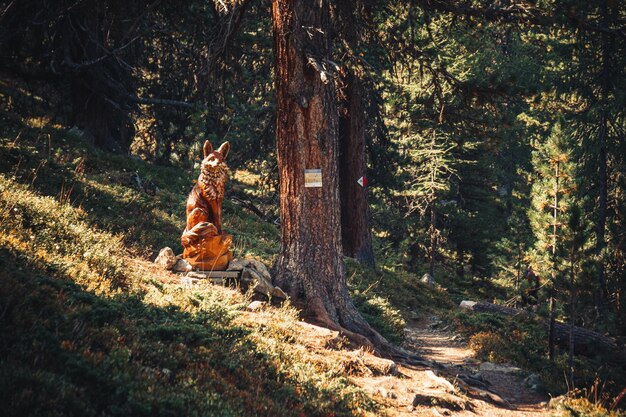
408 391
437 343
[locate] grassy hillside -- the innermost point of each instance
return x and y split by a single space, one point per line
89 327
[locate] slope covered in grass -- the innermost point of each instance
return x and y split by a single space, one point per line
82 333
87 327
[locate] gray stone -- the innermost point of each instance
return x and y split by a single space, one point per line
182 266
478 377
388 367
260 268
256 306
468 305
557 403
252 277
166 258
254 273
504 368
386 394
77 132
533 381
428 279
235 265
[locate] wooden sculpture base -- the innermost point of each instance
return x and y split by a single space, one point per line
212 253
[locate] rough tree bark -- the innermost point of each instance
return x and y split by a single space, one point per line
310 265
355 213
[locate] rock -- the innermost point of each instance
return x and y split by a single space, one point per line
533 381
428 279
250 276
166 258
478 377
260 268
386 394
445 402
488 366
493 367
182 266
467 304
278 293
235 265
439 382
77 132
254 273
256 306
388 367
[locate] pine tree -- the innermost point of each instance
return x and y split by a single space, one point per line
431 176
554 198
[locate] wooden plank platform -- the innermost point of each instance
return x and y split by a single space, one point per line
217 274
216 277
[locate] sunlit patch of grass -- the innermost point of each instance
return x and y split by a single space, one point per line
37 122
83 331
58 234
246 177
577 404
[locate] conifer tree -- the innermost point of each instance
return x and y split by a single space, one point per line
431 181
553 197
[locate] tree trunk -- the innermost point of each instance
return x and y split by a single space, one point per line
600 225
572 313
432 230
460 265
310 266
551 324
355 214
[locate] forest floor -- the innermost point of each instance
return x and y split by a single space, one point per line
406 390
435 343
421 392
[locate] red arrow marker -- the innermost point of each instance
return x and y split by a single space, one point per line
362 181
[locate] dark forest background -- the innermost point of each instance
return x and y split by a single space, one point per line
494 130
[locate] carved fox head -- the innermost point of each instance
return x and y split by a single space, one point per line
213 171
213 159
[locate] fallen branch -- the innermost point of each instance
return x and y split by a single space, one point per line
250 206
586 341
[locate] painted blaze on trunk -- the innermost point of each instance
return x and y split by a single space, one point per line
310 265
355 232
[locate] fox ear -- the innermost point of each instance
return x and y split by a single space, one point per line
224 148
207 148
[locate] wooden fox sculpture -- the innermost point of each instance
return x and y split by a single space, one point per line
204 204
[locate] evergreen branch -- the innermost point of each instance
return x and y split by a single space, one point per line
521 13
